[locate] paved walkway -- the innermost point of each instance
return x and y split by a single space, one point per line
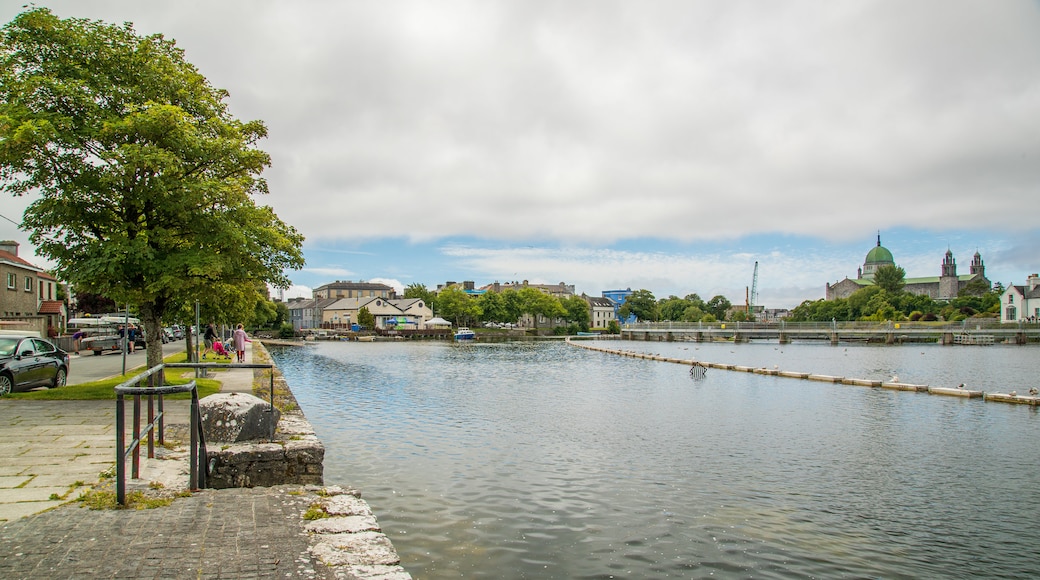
53 451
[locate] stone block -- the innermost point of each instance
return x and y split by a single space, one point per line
233 417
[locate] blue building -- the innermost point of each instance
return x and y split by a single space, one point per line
618 297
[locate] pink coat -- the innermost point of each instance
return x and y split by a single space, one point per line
240 339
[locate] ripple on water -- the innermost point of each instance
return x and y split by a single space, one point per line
547 461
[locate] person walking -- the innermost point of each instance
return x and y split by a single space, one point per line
207 339
240 339
131 338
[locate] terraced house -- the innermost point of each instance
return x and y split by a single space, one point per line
29 299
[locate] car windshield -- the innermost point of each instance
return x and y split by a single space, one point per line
7 346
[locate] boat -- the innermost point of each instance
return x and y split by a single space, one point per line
464 333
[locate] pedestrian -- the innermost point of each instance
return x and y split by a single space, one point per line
131 338
208 337
240 339
76 338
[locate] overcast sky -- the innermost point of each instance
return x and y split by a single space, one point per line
664 145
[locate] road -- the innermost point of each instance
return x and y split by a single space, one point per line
88 367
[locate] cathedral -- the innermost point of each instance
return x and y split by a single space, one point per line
942 287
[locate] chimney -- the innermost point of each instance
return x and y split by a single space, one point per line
1033 281
9 246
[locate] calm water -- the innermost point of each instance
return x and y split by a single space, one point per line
543 460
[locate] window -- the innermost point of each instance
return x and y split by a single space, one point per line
42 346
1011 313
12 280
28 284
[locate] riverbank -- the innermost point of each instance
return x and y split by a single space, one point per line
53 452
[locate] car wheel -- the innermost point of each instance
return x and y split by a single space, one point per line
5 384
60 377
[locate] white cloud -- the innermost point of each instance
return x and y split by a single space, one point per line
589 124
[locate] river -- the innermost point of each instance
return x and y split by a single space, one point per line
544 460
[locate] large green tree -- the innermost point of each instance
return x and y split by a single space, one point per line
577 311
642 304
890 278
718 306
143 180
454 304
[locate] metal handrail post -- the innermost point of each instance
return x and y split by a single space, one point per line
135 468
120 453
151 432
193 427
271 410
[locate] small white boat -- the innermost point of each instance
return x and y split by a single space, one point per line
464 333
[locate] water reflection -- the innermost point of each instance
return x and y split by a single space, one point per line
531 460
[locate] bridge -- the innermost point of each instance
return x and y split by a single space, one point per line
976 332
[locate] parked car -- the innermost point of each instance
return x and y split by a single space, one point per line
28 361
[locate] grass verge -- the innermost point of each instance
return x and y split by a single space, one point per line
105 389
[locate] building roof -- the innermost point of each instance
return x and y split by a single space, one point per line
51 307
879 255
935 279
15 260
349 285
596 301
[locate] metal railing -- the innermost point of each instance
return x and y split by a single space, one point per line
156 425
198 468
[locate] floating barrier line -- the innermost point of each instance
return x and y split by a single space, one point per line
1012 397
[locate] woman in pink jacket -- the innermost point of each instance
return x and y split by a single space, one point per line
240 339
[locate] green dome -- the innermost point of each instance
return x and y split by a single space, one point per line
879 255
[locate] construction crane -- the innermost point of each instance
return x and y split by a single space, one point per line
752 296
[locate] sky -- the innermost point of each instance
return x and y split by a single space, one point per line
662 145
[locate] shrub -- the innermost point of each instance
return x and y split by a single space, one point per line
286 331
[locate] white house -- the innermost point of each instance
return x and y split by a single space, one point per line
1021 303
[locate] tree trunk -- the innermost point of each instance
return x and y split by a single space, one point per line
153 340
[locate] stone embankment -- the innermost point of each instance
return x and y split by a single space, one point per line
1012 397
344 534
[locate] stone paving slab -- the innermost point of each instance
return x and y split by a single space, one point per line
230 533
235 533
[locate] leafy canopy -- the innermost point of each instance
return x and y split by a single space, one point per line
144 179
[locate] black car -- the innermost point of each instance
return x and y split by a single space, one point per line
27 362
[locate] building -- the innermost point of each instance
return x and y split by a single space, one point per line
618 297
560 290
348 289
467 286
396 314
1021 303
601 311
945 286
30 299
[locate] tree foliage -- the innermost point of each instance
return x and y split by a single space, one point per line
877 304
144 179
454 304
890 278
718 306
417 290
365 318
577 311
642 304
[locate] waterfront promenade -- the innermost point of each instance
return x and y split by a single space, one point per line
53 451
